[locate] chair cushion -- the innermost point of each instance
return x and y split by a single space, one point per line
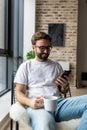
19 113
68 125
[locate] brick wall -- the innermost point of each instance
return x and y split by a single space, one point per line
60 11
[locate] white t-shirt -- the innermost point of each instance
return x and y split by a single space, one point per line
39 77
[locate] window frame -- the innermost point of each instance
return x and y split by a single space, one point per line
4 51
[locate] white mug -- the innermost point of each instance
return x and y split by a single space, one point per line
50 103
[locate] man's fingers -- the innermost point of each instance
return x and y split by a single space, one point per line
39 102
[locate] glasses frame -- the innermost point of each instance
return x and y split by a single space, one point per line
43 48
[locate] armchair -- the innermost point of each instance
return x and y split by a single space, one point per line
19 114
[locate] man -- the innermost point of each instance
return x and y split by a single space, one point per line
42 77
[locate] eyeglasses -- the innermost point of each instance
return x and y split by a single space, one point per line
43 48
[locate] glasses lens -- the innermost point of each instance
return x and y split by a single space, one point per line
43 48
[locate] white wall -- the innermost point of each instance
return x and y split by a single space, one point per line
29 24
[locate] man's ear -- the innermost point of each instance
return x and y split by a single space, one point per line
33 47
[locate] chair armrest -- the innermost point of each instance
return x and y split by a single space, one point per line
19 113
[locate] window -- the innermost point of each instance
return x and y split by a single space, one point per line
11 40
3 51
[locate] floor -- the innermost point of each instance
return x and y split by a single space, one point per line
79 91
74 92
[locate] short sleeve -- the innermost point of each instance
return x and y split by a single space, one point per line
59 69
22 74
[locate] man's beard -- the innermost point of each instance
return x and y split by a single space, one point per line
42 56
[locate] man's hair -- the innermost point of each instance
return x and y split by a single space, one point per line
38 36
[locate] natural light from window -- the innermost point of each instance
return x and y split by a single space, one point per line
2 73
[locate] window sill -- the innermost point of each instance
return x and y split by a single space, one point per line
5 103
4 92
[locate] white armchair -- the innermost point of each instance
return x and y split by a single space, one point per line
19 113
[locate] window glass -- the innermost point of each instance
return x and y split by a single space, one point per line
2 11
2 73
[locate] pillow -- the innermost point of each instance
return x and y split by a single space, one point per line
19 113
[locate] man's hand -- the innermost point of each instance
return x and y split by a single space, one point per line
36 103
63 84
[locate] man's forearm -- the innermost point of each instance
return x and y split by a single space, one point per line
34 103
21 94
22 98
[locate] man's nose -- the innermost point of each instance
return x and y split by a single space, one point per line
45 50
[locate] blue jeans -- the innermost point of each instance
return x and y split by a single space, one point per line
68 108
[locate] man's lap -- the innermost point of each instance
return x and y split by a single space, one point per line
67 108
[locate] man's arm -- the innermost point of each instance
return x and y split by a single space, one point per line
34 103
21 94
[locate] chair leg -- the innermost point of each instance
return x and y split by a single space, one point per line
11 125
17 125
65 95
70 92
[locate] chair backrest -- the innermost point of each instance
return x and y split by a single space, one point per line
13 96
13 100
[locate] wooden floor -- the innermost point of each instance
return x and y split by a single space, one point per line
21 127
74 92
78 91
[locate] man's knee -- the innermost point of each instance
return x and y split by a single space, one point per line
45 122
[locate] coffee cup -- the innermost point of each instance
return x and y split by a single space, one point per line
50 103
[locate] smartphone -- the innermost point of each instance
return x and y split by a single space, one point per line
66 72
